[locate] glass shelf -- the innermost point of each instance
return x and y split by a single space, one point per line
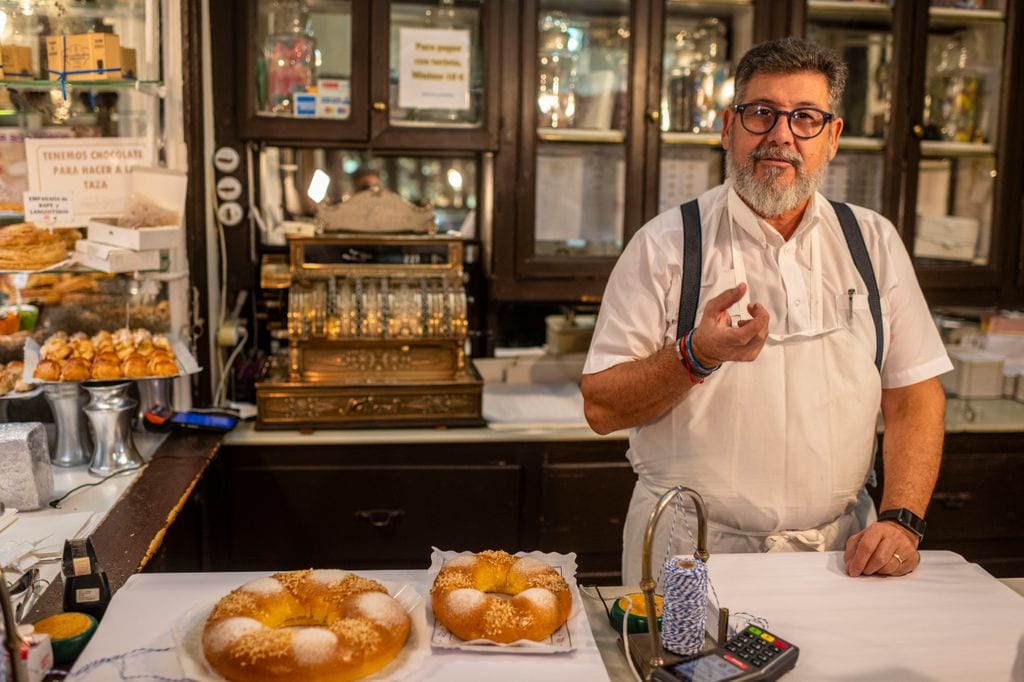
154 87
951 16
861 144
702 139
849 11
940 149
581 135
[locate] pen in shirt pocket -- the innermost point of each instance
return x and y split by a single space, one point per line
849 310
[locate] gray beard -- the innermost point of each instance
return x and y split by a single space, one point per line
768 197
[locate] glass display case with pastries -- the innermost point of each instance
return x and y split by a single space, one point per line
50 288
24 247
12 384
123 354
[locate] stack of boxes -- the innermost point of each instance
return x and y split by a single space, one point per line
112 248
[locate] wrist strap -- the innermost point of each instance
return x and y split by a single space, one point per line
693 358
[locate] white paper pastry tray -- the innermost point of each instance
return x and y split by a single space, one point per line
561 640
188 640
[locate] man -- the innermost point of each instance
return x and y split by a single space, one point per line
768 406
366 178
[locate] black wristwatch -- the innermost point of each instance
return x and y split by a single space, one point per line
906 518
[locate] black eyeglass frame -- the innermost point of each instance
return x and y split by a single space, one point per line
740 108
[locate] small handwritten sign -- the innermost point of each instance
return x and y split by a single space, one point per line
95 171
433 68
49 208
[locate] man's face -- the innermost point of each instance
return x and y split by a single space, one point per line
777 172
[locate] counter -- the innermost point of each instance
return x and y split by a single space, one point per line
947 620
141 508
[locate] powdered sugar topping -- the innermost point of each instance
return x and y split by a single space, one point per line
226 632
530 565
539 598
313 645
264 587
465 600
380 608
328 576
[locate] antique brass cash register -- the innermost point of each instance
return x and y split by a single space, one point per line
377 330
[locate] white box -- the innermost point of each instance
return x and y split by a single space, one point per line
976 373
109 258
947 237
166 188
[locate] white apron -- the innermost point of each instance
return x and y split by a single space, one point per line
779 447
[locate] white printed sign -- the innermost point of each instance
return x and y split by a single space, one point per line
49 208
433 68
95 171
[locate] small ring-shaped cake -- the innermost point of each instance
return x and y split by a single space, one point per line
540 600
320 626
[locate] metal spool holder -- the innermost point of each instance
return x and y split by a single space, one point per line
646 649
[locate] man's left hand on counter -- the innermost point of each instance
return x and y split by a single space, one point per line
883 548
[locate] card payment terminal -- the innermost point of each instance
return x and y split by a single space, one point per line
753 654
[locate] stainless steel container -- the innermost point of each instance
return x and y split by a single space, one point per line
71 446
110 414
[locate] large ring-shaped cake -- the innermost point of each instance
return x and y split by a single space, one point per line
321 626
540 599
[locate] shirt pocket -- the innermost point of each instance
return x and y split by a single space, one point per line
853 314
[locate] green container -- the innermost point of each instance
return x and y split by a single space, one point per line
636 621
66 649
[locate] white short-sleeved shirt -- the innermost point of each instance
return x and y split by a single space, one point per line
641 301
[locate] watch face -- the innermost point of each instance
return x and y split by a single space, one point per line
905 518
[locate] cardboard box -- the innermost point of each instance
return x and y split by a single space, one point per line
84 57
947 237
164 187
17 63
976 373
129 68
107 258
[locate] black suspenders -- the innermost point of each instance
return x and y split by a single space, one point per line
689 294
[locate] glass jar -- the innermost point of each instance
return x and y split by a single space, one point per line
556 72
290 54
954 96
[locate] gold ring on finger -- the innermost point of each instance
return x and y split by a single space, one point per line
897 558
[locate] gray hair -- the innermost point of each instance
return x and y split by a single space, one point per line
791 55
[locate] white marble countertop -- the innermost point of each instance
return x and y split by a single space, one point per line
79 514
962 416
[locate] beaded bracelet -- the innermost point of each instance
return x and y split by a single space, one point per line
693 358
696 376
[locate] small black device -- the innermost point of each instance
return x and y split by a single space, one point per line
86 589
204 422
753 654
906 518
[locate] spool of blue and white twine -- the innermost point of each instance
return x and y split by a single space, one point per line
685 613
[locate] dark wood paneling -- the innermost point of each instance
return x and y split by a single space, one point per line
368 517
195 199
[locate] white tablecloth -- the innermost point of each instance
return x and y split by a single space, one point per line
949 620
144 613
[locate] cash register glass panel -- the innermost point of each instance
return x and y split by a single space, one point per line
295 180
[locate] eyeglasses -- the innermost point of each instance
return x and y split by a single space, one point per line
805 122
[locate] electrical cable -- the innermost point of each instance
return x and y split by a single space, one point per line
219 395
56 503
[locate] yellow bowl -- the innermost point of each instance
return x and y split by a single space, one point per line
69 633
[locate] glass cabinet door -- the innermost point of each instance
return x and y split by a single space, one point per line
702 42
957 171
578 108
861 33
300 64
